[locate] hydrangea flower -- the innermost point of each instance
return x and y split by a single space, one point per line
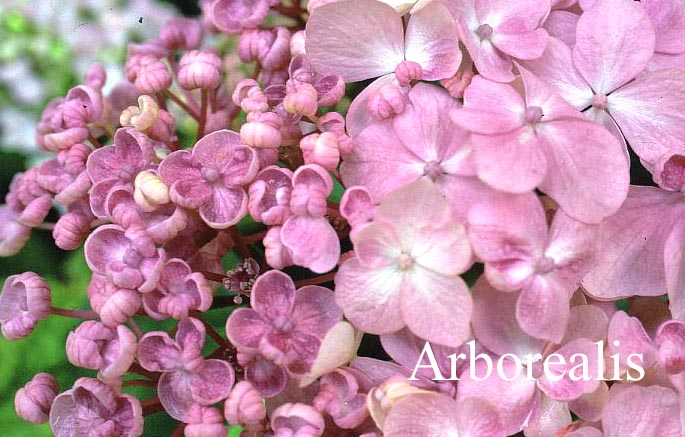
407 264
24 301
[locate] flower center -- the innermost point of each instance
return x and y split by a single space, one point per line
545 265
284 324
210 174
599 101
405 261
126 174
533 115
433 170
484 31
673 174
132 258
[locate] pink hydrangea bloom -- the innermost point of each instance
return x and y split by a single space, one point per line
24 301
93 345
33 401
406 266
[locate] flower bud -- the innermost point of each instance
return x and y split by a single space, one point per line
33 401
204 422
330 90
250 97
321 149
304 101
297 43
199 69
269 196
95 346
262 131
71 230
181 34
407 72
164 128
389 100
150 192
96 76
277 255
357 206
152 75
457 84
232 16
25 300
141 117
245 406
297 420
311 186
114 305
35 212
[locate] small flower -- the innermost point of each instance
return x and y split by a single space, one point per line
33 401
199 69
297 420
233 16
95 346
150 192
25 300
205 421
113 304
141 117
244 406
339 396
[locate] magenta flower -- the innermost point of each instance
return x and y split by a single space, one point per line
510 236
33 401
205 421
496 31
297 420
604 74
283 329
420 142
520 143
210 178
113 304
92 407
24 301
270 195
340 397
187 378
128 262
95 346
180 290
341 41
407 265
234 16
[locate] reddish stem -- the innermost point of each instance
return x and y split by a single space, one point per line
178 432
316 280
181 103
203 115
76 314
139 383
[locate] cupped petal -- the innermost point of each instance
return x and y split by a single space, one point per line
357 117
315 311
225 207
158 352
426 205
216 148
273 295
614 43
268 378
190 193
211 382
581 371
543 308
432 41
173 389
627 336
377 245
177 166
590 179
312 241
356 47
370 298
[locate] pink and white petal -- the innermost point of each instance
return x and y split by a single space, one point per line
462 192
494 322
245 328
562 25
490 108
525 45
357 117
527 13
242 166
662 61
586 321
674 256
590 178
423 414
627 336
648 112
580 353
513 162
432 41
158 352
226 207
370 298
668 18
643 411
445 250
513 400
543 308
211 382
190 193
615 41
572 245
312 242
273 295
555 67
670 341
549 417
590 406
540 94
508 227
632 241
426 205
177 166
174 394
266 377
478 418
446 299
315 311
377 244
492 63
216 148
342 42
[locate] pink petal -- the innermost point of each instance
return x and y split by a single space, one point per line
444 250
478 418
566 388
312 241
273 295
432 41
156 351
406 348
370 298
266 377
589 181
562 25
212 382
586 321
523 45
421 415
590 406
245 328
446 299
632 241
427 206
670 341
648 112
543 309
526 13
627 336
495 325
643 411
174 394
226 207
190 193
674 256
357 47
357 117
549 416
668 18
615 41
315 311
377 245
216 148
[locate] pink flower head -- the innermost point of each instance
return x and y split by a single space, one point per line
341 41
532 137
283 329
92 407
234 16
24 301
211 177
117 165
95 346
187 378
510 235
604 75
423 142
180 290
270 195
127 262
406 266
495 31
33 401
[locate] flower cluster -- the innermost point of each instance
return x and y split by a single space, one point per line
473 200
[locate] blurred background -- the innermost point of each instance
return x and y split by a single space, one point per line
45 47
